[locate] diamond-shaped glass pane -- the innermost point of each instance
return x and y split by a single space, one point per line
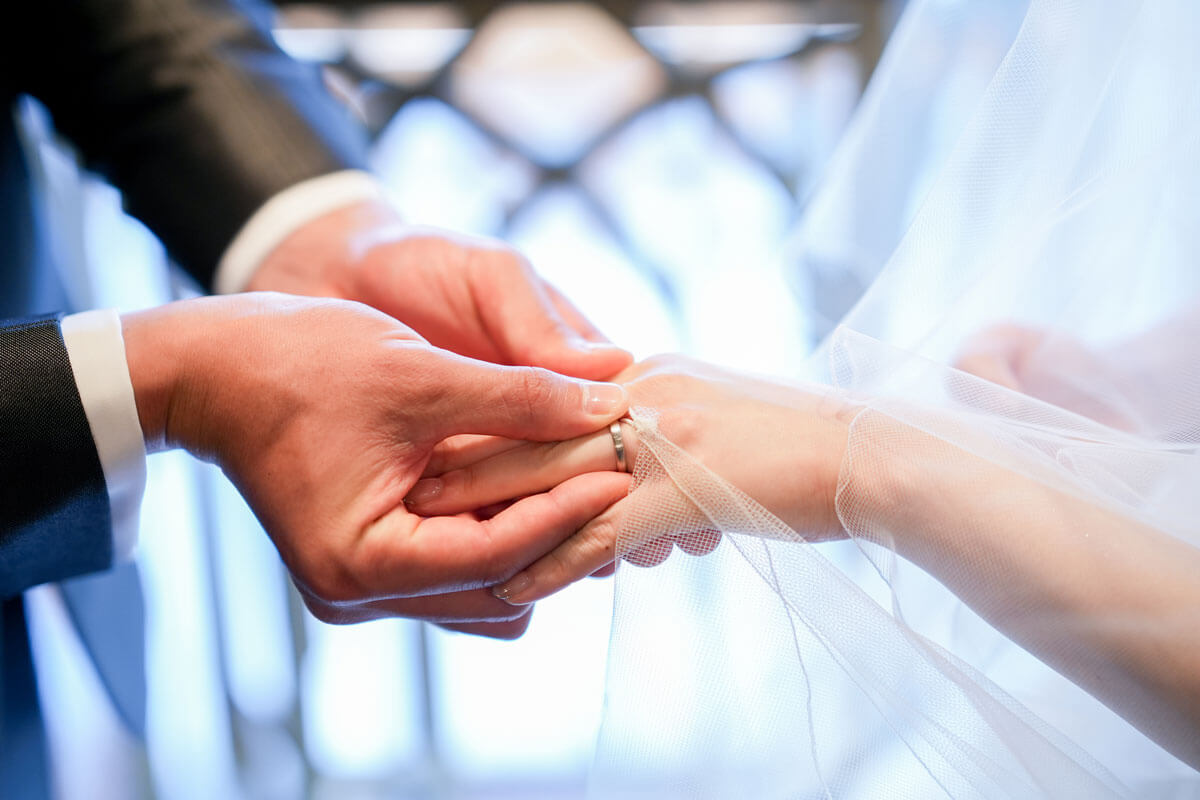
311 33
552 77
401 43
406 43
442 170
793 111
706 37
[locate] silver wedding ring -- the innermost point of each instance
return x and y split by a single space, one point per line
619 444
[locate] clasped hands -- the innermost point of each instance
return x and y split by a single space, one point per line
428 362
781 444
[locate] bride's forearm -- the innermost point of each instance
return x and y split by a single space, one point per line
1111 603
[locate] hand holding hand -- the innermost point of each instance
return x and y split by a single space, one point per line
475 297
781 444
324 413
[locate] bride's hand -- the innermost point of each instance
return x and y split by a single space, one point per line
1055 367
781 444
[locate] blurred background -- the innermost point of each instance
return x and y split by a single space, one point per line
652 159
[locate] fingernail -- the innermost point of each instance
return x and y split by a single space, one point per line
509 592
605 399
424 491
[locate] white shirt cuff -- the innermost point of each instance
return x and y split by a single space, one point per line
282 215
96 350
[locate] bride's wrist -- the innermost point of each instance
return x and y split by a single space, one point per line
909 490
821 448
883 480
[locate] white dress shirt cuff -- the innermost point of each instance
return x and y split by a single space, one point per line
96 350
283 214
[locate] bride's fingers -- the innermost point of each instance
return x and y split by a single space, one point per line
651 554
698 543
594 547
531 468
590 549
466 448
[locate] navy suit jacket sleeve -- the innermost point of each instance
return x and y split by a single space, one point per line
54 512
187 106
190 109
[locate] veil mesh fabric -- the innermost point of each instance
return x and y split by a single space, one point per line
1061 194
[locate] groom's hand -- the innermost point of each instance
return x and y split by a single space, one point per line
475 297
781 444
324 414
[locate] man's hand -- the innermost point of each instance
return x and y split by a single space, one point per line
475 297
781 444
324 414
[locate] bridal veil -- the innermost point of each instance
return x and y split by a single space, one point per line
1025 172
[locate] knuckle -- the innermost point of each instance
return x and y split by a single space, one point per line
512 261
493 567
581 555
459 483
545 456
537 390
683 426
499 259
553 573
601 537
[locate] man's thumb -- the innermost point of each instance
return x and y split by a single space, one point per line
532 403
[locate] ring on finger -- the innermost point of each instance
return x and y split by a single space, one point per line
619 444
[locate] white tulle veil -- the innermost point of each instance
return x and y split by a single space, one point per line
1061 194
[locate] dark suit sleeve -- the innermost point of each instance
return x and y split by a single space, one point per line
54 512
187 106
